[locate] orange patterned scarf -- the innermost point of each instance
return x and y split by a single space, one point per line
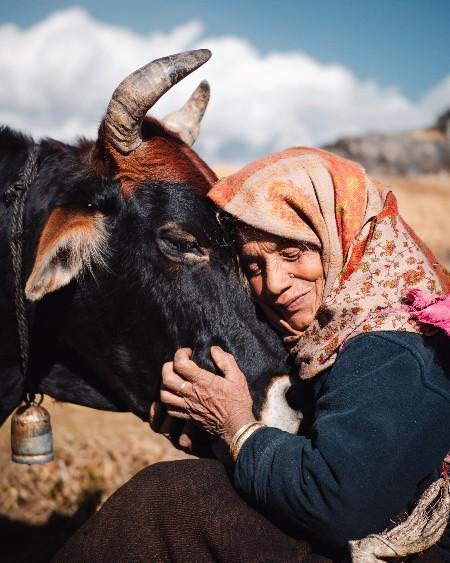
370 256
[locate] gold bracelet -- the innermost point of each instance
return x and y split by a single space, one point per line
241 437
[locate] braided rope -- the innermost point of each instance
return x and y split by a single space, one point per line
16 195
420 531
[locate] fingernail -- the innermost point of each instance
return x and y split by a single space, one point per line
184 441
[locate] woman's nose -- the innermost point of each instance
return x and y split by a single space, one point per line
276 281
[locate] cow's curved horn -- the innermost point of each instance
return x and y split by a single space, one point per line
140 90
186 121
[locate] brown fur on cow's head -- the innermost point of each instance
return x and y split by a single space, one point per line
161 156
134 150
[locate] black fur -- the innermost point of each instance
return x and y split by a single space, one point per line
101 341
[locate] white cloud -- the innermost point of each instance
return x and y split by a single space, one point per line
58 75
437 99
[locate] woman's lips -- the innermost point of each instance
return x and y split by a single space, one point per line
295 303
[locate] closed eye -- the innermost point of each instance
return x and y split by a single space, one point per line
179 245
292 254
182 245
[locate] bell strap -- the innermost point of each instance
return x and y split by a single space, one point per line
16 195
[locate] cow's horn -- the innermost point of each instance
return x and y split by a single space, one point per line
140 91
186 121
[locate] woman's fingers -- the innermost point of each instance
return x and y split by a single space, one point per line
178 432
219 405
185 439
170 428
189 370
172 400
174 388
177 413
184 366
172 381
169 377
157 412
227 364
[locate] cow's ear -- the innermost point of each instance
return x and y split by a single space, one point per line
72 240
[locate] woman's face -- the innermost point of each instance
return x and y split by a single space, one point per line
284 276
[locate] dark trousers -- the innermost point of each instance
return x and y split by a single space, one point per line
181 511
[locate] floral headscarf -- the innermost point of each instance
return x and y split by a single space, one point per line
370 256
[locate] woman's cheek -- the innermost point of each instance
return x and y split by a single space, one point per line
310 268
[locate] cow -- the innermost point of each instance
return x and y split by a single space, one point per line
125 260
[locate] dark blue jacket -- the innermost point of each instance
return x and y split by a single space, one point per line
380 429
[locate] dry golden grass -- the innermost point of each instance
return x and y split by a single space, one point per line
424 202
96 451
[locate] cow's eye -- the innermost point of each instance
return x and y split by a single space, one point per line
182 245
179 245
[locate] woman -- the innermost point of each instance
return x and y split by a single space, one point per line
332 264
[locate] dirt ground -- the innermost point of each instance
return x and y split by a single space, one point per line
95 452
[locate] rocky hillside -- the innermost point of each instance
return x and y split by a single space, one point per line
425 151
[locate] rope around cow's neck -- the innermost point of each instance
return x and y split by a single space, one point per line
16 195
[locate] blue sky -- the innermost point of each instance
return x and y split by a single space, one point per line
282 73
402 43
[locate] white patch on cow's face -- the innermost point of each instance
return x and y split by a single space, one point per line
276 411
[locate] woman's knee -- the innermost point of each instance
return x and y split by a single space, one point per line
170 483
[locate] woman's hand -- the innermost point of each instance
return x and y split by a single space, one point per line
220 405
181 433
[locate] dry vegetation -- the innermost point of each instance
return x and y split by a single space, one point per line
96 452
424 201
